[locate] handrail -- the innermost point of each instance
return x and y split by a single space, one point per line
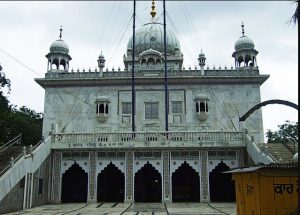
8 165
269 154
17 139
149 136
32 148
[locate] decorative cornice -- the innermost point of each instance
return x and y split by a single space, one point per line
151 80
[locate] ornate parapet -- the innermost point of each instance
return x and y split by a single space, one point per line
193 139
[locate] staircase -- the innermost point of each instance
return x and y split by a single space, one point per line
26 161
283 153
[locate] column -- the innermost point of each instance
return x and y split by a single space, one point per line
92 178
204 196
27 201
56 176
166 176
129 177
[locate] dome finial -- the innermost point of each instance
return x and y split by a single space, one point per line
60 33
153 12
243 31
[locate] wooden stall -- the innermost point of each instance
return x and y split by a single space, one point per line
267 190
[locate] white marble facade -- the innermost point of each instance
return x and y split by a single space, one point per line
79 105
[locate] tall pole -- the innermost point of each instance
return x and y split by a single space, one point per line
132 73
166 75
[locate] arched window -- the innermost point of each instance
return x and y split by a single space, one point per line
201 102
102 110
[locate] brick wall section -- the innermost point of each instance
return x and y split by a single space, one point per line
42 173
13 201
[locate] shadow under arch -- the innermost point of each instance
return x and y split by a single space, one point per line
147 185
74 185
221 186
185 184
110 184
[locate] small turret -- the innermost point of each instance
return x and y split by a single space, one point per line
101 62
201 60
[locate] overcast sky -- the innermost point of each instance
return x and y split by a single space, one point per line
29 28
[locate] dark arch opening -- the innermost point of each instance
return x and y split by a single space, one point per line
151 61
185 184
74 185
62 65
101 108
202 107
247 60
221 187
111 183
55 64
147 184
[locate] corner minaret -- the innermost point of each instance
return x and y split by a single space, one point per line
58 57
244 54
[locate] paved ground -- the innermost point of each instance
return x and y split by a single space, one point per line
133 209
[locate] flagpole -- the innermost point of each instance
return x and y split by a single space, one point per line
165 71
132 73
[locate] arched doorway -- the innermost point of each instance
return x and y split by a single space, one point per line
147 185
74 185
221 187
111 183
185 184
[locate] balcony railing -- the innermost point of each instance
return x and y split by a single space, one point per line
56 74
148 139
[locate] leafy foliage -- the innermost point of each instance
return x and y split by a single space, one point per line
14 121
294 18
287 133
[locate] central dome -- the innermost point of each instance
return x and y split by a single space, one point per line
151 36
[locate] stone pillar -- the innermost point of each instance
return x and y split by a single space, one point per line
129 177
28 189
204 195
56 178
166 176
92 178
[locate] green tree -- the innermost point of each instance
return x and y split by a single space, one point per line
4 106
294 18
287 133
14 121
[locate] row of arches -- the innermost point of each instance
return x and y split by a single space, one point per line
147 185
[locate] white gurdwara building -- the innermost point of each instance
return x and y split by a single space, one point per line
95 156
